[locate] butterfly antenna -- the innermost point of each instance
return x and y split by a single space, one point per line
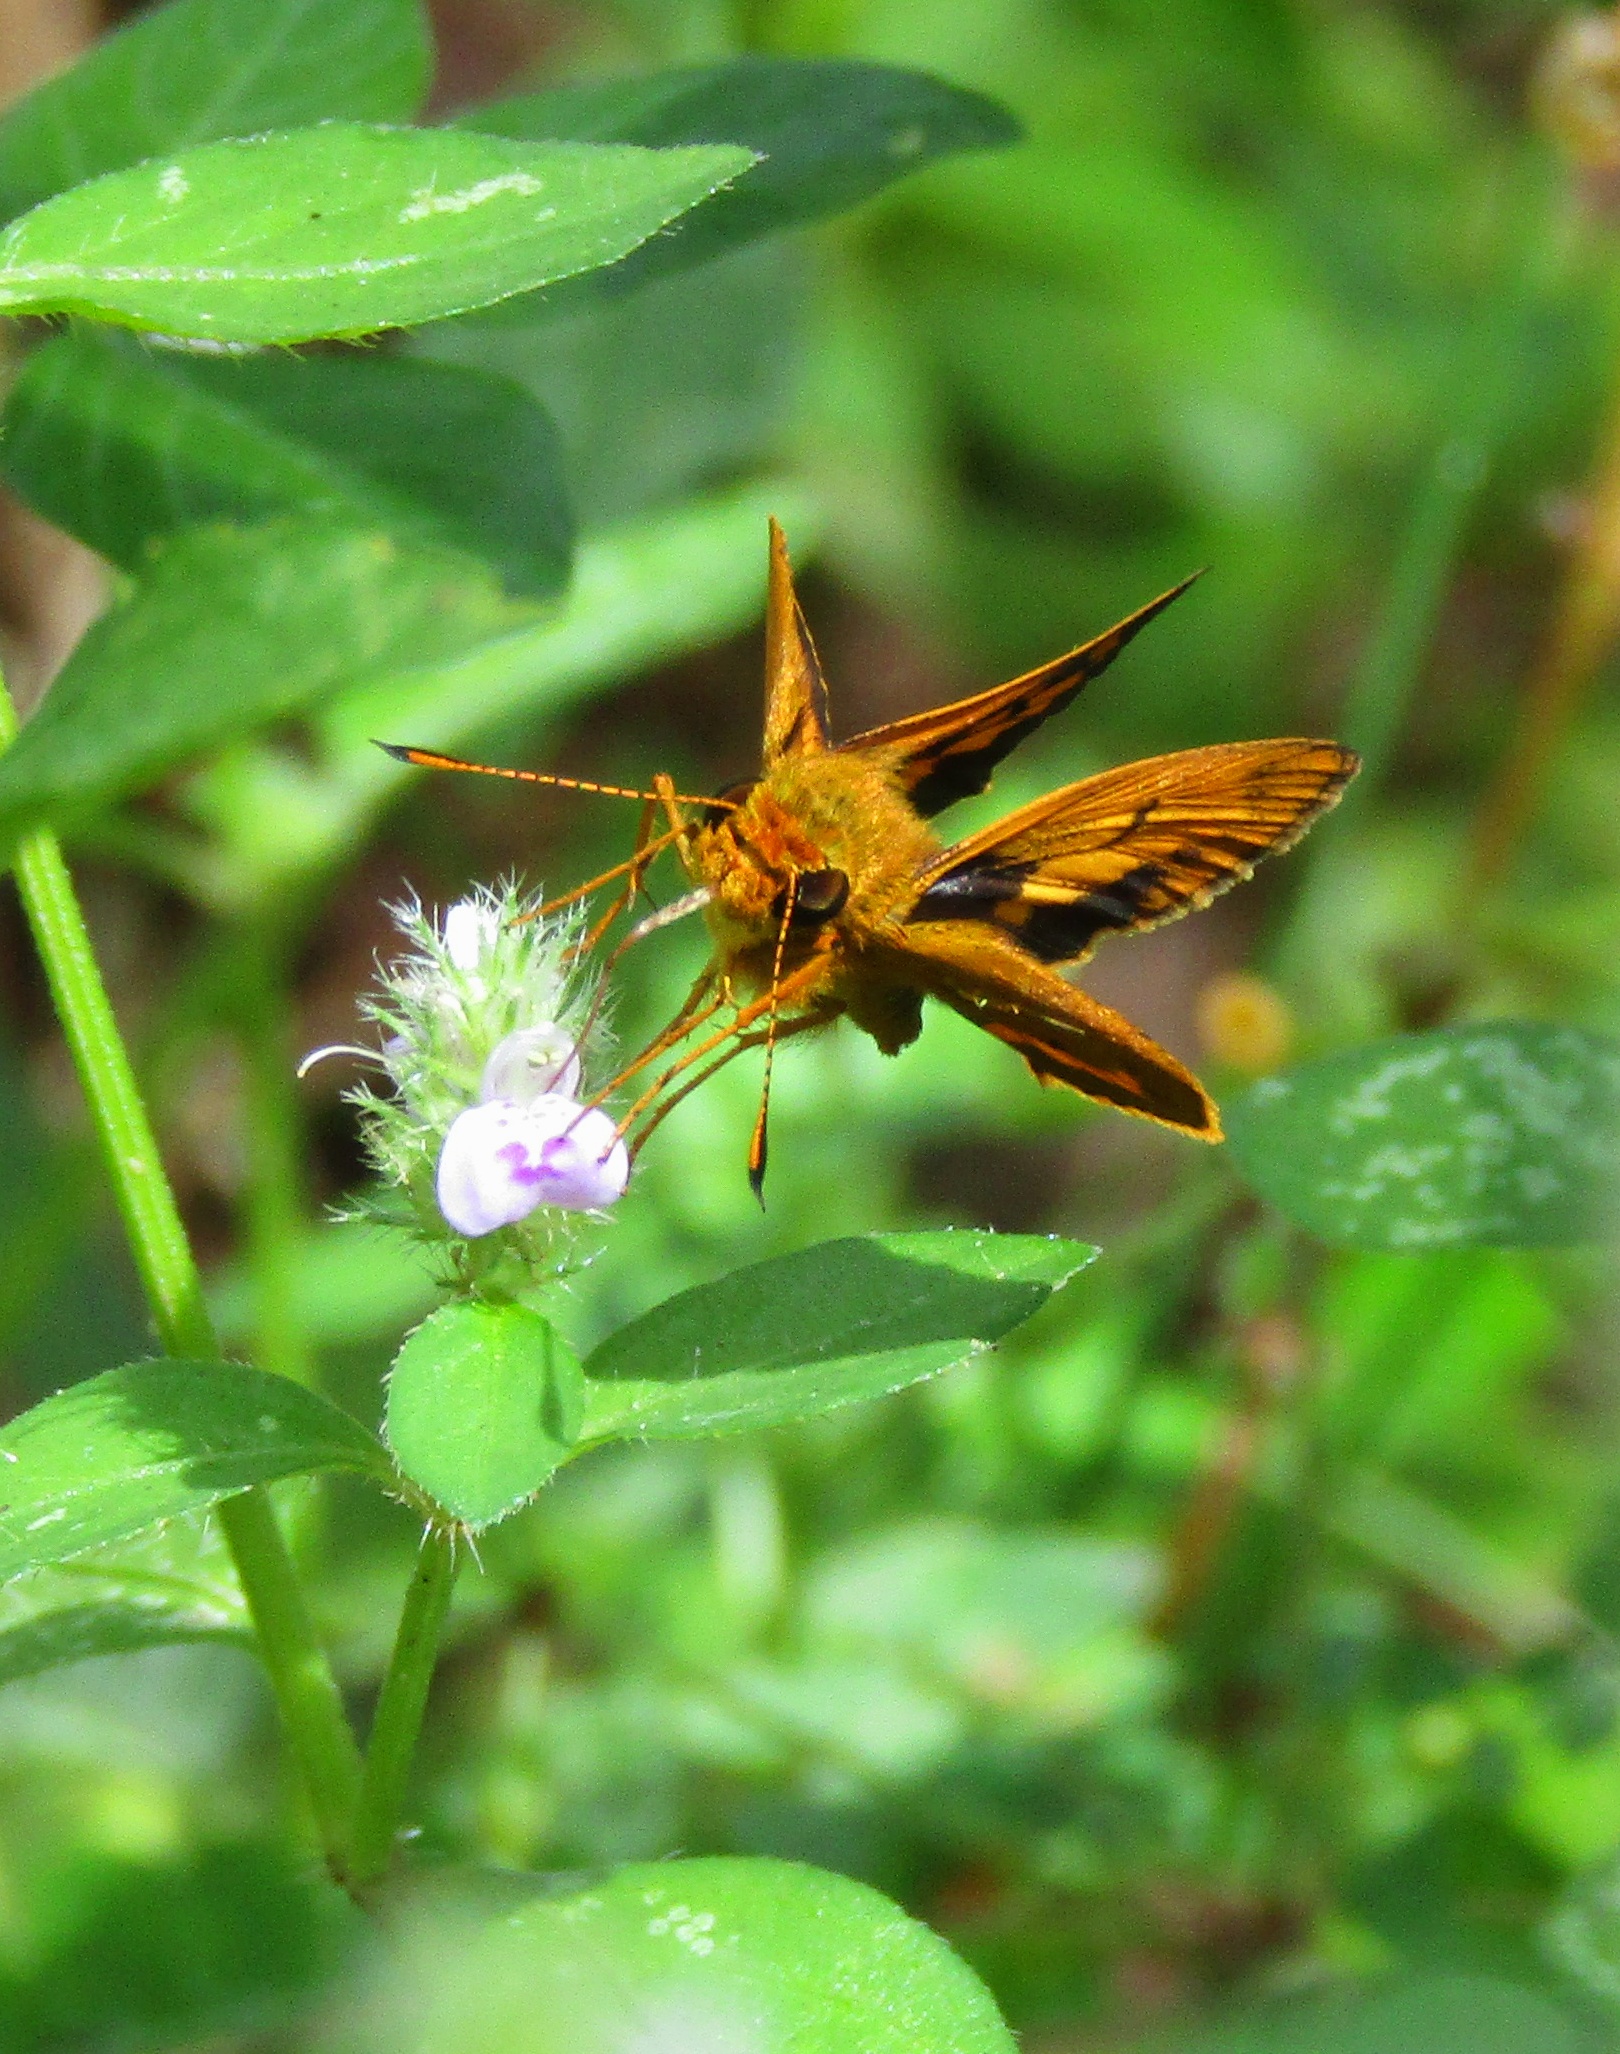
757 1145
431 759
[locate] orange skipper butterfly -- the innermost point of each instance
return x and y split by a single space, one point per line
828 895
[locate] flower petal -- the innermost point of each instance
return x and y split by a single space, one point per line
501 1160
470 928
531 1063
585 1162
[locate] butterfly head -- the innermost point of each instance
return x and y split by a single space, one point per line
751 855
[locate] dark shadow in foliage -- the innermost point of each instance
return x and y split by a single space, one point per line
829 131
232 1939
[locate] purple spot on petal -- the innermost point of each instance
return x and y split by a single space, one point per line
515 1156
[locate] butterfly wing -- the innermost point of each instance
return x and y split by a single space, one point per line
951 752
1133 847
1065 1036
795 690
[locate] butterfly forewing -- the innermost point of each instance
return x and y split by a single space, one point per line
951 753
795 690
1064 1035
1135 846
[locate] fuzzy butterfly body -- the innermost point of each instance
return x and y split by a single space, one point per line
886 914
828 894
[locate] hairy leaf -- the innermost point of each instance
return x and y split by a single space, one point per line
484 1402
729 1955
148 1442
829 132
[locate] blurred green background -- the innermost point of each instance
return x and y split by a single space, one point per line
1245 1627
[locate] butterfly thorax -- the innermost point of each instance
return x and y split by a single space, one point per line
850 843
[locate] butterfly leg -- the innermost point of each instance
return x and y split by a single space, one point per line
806 1023
692 1014
634 871
638 862
801 979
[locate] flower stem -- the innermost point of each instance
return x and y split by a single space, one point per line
400 1707
306 1691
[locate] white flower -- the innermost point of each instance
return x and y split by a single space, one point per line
489 1027
500 1160
530 1063
470 930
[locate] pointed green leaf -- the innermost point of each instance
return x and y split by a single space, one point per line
162 1588
112 1627
156 1439
1501 1135
342 229
829 131
231 628
797 1335
121 444
724 1954
197 70
484 1402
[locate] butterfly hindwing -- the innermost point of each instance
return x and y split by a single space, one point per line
952 752
795 690
1065 1036
1135 846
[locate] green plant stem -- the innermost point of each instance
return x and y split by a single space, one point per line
400 1707
318 1732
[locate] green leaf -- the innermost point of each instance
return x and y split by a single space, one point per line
655 393
1496 1135
484 1403
342 230
234 627
156 1439
795 1336
121 444
1583 1935
723 1954
1437 2014
109 1626
1038 1623
172 1586
1516 1607
829 131
198 70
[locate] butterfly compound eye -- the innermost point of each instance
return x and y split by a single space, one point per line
820 894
